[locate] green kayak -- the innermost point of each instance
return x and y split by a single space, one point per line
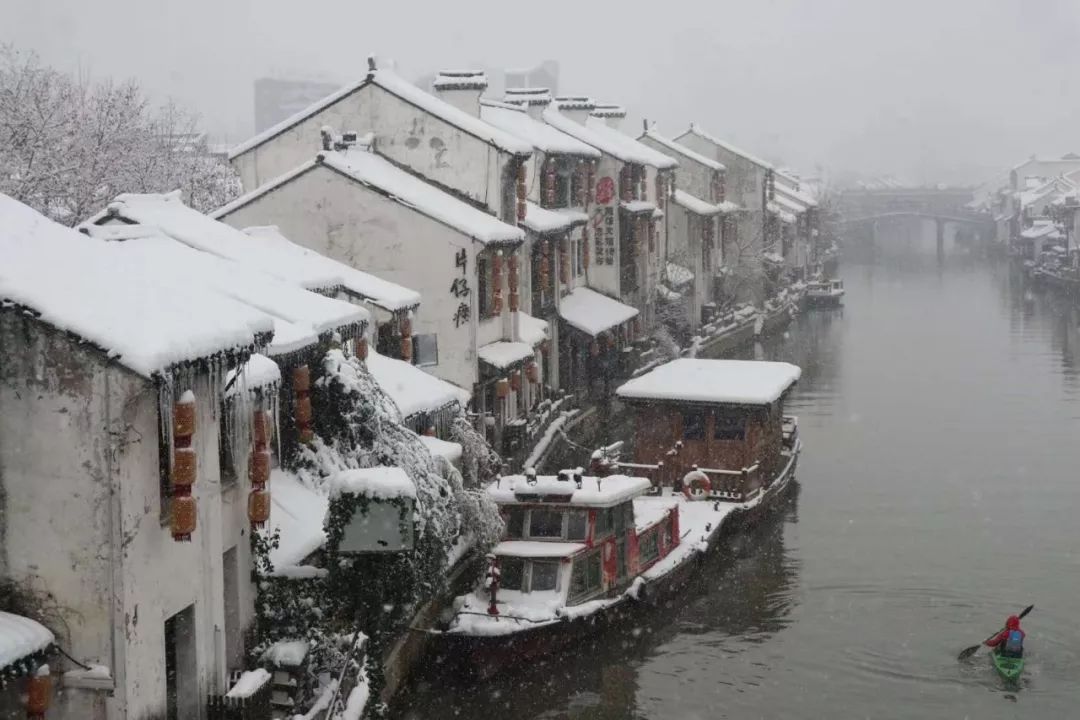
1008 668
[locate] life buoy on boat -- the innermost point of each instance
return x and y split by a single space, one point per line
696 485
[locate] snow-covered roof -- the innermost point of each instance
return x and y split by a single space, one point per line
502 354
370 169
789 204
786 216
297 513
452 451
1040 229
257 373
21 637
596 132
384 483
396 85
533 330
309 314
248 683
264 248
593 313
638 206
460 80
679 275
413 390
594 492
115 301
728 146
545 222
729 382
542 136
683 150
537 549
695 204
796 194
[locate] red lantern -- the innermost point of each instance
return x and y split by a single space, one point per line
652 236
532 371
564 260
496 303
302 411
260 428
184 467
406 326
407 349
182 512
184 419
549 183
585 247
259 466
362 349
522 210
502 389
430 431
512 279
301 378
38 695
514 301
259 507
590 181
515 381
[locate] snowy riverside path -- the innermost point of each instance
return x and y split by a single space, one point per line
941 418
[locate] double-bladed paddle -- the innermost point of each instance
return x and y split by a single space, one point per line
968 652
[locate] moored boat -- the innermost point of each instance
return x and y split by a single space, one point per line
581 553
824 293
1009 668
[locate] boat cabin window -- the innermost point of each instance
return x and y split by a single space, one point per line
513 571
729 427
586 577
545 576
694 425
545 523
515 522
649 547
604 523
577 525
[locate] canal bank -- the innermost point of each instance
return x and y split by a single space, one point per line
939 412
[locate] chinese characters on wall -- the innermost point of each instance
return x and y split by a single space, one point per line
459 288
604 222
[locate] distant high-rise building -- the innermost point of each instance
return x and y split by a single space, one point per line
545 75
277 99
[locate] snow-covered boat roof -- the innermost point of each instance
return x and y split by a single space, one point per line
727 382
385 483
593 313
545 222
413 390
115 301
536 549
264 248
594 492
533 330
370 169
695 204
727 146
596 132
309 313
542 136
503 354
21 637
297 513
682 150
391 82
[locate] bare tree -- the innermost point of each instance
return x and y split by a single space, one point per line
69 145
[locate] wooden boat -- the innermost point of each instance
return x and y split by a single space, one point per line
582 553
824 293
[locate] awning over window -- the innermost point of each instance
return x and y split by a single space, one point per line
502 354
593 313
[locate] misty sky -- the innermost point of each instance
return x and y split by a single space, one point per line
944 90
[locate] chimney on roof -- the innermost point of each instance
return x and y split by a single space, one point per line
612 114
462 89
534 100
575 107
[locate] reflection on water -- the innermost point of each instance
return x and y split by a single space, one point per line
940 411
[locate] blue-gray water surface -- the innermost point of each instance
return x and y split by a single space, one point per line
940 412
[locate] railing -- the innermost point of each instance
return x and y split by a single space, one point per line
255 706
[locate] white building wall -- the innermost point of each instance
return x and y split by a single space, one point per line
406 134
73 428
335 216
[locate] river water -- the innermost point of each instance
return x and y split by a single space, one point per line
939 491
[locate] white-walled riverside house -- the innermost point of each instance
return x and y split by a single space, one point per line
356 206
114 361
700 221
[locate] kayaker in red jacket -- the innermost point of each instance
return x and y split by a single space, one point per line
1008 643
